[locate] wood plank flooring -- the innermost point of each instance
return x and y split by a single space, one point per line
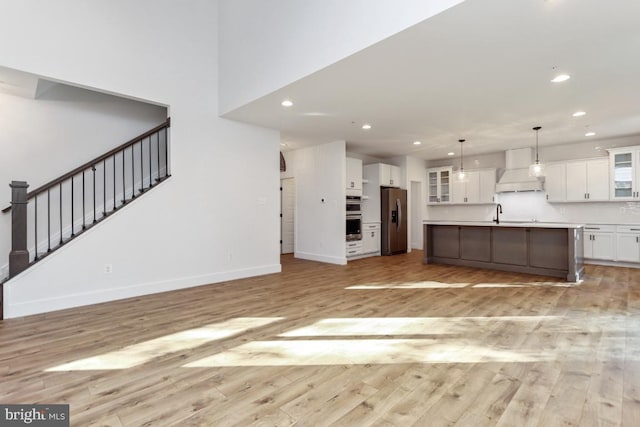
381 342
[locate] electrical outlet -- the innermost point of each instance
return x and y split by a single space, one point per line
108 269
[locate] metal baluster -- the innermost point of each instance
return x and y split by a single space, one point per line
84 214
124 195
49 220
150 163
104 188
133 174
93 168
158 153
166 154
141 169
35 200
73 232
60 191
114 182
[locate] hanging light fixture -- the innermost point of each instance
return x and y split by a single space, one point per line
537 168
461 176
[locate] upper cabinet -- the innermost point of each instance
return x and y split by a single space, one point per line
383 175
354 174
578 181
623 163
389 175
480 188
588 180
439 185
555 182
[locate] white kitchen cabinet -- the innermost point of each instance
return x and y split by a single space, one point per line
555 182
487 186
389 175
383 175
599 242
628 243
625 176
439 185
371 238
354 174
587 180
479 188
354 248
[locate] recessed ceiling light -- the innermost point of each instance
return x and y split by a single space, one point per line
561 78
450 153
282 144
366 126
417 142
579 114
589 134
287 103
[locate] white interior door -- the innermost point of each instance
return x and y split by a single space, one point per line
416 214
287 215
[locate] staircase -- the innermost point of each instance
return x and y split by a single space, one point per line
45 219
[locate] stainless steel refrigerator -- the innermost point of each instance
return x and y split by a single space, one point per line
393 205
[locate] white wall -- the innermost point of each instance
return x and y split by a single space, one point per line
216 218
320 174
43 138
265 45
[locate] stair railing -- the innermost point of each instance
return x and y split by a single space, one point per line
50 216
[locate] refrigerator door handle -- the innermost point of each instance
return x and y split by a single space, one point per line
399 209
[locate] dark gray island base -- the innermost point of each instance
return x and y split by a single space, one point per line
536 248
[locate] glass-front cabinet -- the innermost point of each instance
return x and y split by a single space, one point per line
439 185
623 165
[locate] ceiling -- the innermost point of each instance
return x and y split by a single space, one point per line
480 71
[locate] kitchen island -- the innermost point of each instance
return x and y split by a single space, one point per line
549 249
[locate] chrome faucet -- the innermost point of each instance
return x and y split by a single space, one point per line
498 212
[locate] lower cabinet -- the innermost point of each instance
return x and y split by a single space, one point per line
371 238
369 245
628 243
509 246
599 242
354 248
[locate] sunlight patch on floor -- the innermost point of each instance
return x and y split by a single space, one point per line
368 326
443 285
410 285
140 353
363 351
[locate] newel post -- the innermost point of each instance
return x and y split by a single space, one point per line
19 255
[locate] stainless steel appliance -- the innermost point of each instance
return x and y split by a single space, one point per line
354 205
393 205
354 227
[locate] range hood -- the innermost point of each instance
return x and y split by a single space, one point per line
516 176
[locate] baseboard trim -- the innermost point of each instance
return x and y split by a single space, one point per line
611 263
321 258
89 298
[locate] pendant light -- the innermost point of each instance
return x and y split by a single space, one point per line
461 176
537 168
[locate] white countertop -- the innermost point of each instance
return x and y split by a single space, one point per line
506 224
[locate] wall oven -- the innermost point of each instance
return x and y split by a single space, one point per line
354 205
354 227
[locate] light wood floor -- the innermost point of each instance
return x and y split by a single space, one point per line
382 341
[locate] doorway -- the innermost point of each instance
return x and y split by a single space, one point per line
287 215
416 215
